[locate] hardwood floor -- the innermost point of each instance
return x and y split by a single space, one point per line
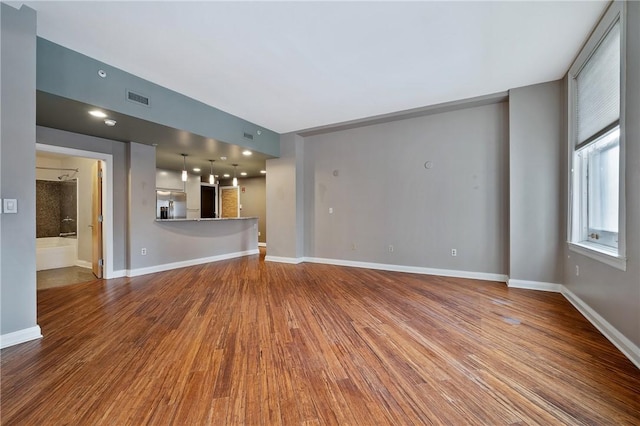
244 342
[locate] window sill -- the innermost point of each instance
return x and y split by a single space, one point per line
600 253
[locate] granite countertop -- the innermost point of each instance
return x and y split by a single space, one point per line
206 219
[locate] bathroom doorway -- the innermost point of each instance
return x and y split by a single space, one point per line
83 245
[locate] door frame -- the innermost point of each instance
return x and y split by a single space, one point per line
97 255
107 198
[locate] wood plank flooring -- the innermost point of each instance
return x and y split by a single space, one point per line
243 342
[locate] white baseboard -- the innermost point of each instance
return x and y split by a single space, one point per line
20 336
626 346
191 262
117 274
262 244
278 259
411 269
535 285
84 264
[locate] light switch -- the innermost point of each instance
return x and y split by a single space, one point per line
10 205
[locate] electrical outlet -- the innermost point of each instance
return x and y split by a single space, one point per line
390 248
454 252
577 271
143 251
330 210
259 233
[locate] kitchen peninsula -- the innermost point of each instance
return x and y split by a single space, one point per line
165 244
205 219
178 243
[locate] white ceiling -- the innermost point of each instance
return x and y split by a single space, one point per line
291 66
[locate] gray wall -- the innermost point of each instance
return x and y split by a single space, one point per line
383 194
17 138
536 158
285 202
117 150
612 293
254 202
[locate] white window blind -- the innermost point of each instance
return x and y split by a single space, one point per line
598 88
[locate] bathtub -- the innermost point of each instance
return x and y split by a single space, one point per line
55 252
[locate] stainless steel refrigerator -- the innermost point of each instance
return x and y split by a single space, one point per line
174 202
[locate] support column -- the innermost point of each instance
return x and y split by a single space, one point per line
285 202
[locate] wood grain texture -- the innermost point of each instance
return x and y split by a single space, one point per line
229 201
96 221
244 342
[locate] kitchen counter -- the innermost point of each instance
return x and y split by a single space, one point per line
176 243
206 219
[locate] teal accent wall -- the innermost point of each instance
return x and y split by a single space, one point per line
69 74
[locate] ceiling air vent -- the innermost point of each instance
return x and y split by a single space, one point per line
248 136
138 98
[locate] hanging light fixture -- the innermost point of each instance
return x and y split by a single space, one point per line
235 179
184 167
212 178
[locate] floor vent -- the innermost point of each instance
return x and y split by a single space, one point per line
138 98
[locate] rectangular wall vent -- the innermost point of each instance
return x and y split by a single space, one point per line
138 98
248 135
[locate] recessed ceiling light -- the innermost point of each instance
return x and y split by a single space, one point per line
263 171
246 152
98 113
243 173
223 158
110 122
225 175
196 169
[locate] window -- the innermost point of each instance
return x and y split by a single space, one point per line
598 170
596 143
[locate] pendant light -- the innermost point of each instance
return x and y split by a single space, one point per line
212 178
184 167
235 179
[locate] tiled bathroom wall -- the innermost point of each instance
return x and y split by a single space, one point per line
56 208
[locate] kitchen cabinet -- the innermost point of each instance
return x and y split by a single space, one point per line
169 180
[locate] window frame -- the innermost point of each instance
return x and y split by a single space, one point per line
576 216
